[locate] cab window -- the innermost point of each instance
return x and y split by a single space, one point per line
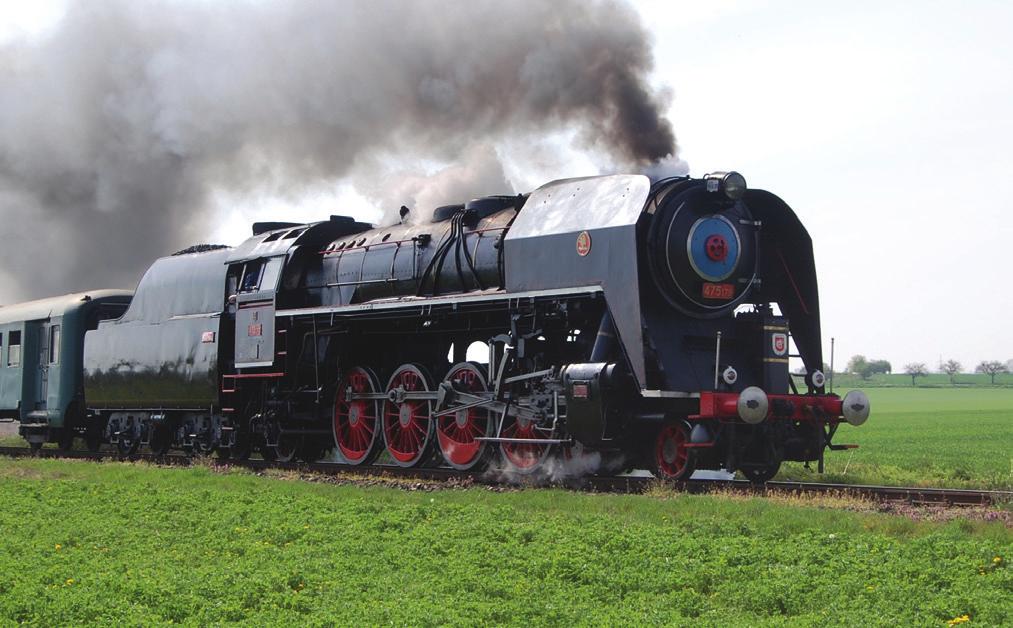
271 274
251 276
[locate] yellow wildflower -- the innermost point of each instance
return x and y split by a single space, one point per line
69 581
997 560
959 620
58 546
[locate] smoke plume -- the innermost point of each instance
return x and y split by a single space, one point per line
119 125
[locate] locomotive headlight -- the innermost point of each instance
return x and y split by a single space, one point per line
730 375
753 405
818 379
731 184
855 407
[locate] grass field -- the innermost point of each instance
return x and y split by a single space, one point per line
927 437
88 543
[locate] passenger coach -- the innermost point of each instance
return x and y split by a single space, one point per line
41 355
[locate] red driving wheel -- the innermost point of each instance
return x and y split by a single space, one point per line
524 457
407 423
355 420
672 459
456 433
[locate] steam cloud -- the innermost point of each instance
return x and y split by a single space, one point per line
117 128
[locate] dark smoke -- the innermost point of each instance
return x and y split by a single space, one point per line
119 126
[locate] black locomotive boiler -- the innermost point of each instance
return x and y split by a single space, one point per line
650 324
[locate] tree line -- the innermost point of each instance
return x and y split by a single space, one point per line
865 368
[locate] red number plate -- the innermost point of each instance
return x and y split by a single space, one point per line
255 330
722 291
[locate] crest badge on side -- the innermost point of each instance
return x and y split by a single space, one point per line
583 243
780 343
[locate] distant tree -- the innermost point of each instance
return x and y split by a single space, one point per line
857 365
916 369
864 368
991 369
879 366
951 368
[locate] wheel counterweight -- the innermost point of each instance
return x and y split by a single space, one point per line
457 432
355 421
524 457
407 423
672 459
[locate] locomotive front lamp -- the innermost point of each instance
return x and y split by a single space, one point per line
855 407
753 405
818 378
730 375
732 184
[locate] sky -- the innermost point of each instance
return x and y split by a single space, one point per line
887 126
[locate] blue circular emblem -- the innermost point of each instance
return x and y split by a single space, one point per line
713 248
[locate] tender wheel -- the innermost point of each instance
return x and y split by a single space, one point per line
93 440
407 423
160 441
760 475
456 433
267 453
287 448
672 459
128 445
66 440
241 448
355 420
524 457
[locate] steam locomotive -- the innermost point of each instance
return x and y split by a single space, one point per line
647 324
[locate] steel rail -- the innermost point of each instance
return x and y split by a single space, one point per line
600 484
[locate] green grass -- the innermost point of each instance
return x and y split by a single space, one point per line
927 437
86 543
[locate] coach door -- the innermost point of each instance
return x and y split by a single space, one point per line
255 312
42 367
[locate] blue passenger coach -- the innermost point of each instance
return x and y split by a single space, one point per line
41 349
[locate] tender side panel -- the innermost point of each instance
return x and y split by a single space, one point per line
163 353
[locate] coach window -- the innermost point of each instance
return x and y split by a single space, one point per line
54 344
14 350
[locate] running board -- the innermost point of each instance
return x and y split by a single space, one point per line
524 441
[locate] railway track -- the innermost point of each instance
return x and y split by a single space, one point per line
611 484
